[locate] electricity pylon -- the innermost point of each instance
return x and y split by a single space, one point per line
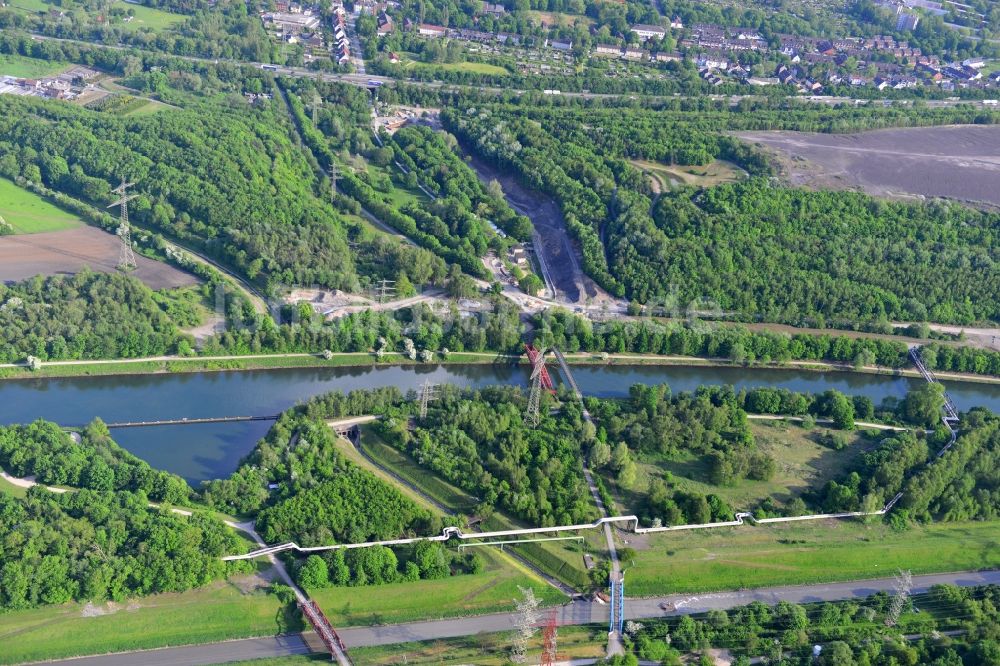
904 583
386 290
525 625
535 397
126 257
428 392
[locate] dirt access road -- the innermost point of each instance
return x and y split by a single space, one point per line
68 252
558 251
957 161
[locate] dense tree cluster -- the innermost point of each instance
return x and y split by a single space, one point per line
961 359
96 545
783 254
658 426
960 485
479 441
226 181
87 315
463 203
276 459
378 565
563 330
498 330
849 633
339 502
964 483
47 452
454 223
878 260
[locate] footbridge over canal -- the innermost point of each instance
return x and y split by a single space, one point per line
187 421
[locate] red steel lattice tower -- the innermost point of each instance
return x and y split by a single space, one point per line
549 640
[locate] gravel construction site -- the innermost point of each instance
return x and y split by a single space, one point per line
552 242
957 162
68 252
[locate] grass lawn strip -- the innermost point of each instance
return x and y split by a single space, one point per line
30 213
805 553
492 591
220 611
29 68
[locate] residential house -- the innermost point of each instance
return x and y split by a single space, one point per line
385 25
827 48
313 41
786 74
667 56
646 31
711 62
497 9
907 22
739 72
428 30
710 77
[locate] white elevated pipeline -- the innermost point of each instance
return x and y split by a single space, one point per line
631 522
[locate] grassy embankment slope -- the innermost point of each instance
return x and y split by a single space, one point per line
561 560
217 612
29 68
493 590
29 213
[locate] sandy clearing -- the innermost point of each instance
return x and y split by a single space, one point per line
67 252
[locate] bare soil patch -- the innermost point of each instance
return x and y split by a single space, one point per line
957 162
68 252
92 610
250 583
664 177
558 250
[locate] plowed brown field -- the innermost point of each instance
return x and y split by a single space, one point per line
67 252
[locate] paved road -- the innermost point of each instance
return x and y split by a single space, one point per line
579 612
200 655
363 81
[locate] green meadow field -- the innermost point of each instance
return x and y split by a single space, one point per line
29 213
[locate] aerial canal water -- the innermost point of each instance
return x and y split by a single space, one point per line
208 451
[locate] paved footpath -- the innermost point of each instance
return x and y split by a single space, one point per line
577 612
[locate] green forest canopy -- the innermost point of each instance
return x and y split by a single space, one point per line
850 256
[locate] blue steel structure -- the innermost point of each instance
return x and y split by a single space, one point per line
617 606
621 606
614 607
